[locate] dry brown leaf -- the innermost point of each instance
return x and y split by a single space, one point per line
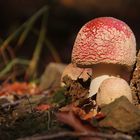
18 88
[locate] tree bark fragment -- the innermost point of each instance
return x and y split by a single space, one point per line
135 82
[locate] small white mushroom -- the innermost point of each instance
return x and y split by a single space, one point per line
95 83
111 89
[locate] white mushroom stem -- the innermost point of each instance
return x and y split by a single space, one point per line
111 89
95 83
104 71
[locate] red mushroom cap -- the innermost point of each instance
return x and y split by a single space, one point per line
104 40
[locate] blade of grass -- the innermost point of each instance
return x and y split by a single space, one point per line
53 51
31 71
51 48
10 65
24 35
3 54
16 33
4 57
27 29
11 52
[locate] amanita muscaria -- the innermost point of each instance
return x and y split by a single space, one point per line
108 46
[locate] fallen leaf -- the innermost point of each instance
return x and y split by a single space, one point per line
100 115
71 120
18 88
43 107
76 110
90 115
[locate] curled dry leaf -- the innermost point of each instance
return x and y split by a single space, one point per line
85 109
81 113
93 114
71 120
76 110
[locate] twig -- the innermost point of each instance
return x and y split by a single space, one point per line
13 104
49 120
30 104
5 105
117 136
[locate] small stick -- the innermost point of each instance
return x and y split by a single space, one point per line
117 136
5 105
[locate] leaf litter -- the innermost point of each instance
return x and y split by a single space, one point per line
34 114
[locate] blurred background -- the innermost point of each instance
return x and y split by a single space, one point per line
65 18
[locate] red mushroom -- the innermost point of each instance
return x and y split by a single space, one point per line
108 46
104 40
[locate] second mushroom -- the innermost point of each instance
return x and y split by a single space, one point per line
107 46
